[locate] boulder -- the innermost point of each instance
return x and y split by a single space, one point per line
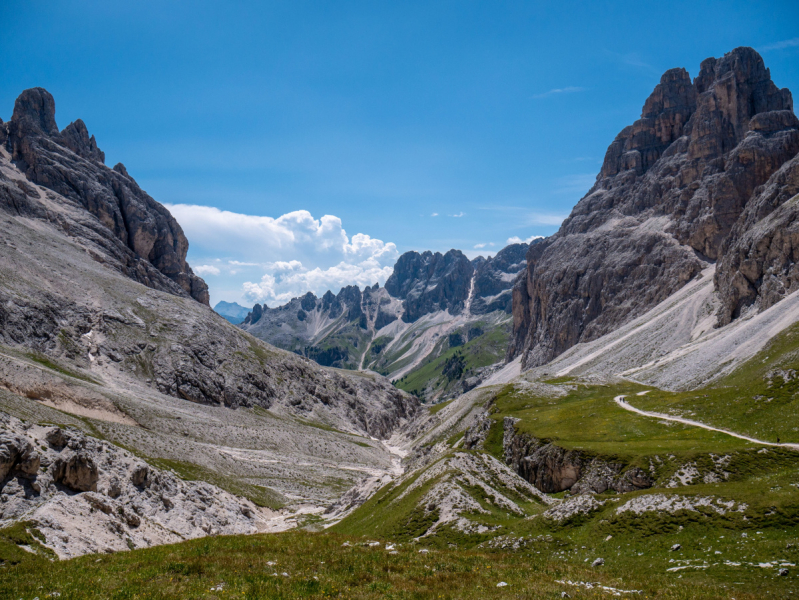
77 472
17 455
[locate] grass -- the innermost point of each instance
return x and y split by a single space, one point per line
482 351
438 407
329 565
48 363
258 494
747 401
721 553
588 419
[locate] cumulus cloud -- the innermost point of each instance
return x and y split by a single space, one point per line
288 255
517 240
204 270
281 285
483 245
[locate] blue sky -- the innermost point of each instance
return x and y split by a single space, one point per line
494 116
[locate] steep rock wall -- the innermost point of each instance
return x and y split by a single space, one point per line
671 189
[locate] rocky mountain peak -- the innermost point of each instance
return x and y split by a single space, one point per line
666 201
34 113
76 138
730 91
431 281
145 241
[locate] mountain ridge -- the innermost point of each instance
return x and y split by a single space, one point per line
431 302
671 189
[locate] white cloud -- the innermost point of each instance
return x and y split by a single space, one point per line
434 215
281 285
460 214
517 240
483 245
238 263
291 254
792 43
203 270
557 91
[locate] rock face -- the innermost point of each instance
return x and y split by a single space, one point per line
760 261
430 281
85 495
332 330
363 329
494 278
152 248
73 293
553 469
673 194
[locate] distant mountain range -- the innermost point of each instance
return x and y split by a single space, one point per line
232 311
438 327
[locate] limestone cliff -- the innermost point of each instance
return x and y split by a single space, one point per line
70 164
673 195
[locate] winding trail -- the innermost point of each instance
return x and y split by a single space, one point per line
620 400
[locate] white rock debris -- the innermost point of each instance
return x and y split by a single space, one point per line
88 496
598 586
674 503
576 505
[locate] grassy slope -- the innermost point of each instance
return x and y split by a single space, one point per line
320 566
586 418
637 554
744 401
482 351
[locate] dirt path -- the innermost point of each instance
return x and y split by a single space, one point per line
620 400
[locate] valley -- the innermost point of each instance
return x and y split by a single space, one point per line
609 411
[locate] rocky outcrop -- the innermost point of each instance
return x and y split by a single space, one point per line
494 278
552 469
760 263
151 245
76 138
671 189
88 496
76 471
17 455
429 282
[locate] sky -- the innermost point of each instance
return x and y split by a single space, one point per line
306 145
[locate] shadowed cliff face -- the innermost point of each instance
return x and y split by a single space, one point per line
431 281
70 163
673 194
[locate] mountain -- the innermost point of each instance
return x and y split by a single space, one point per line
651 403
232 311
700 179
641 440
105 329
440 324
146 243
